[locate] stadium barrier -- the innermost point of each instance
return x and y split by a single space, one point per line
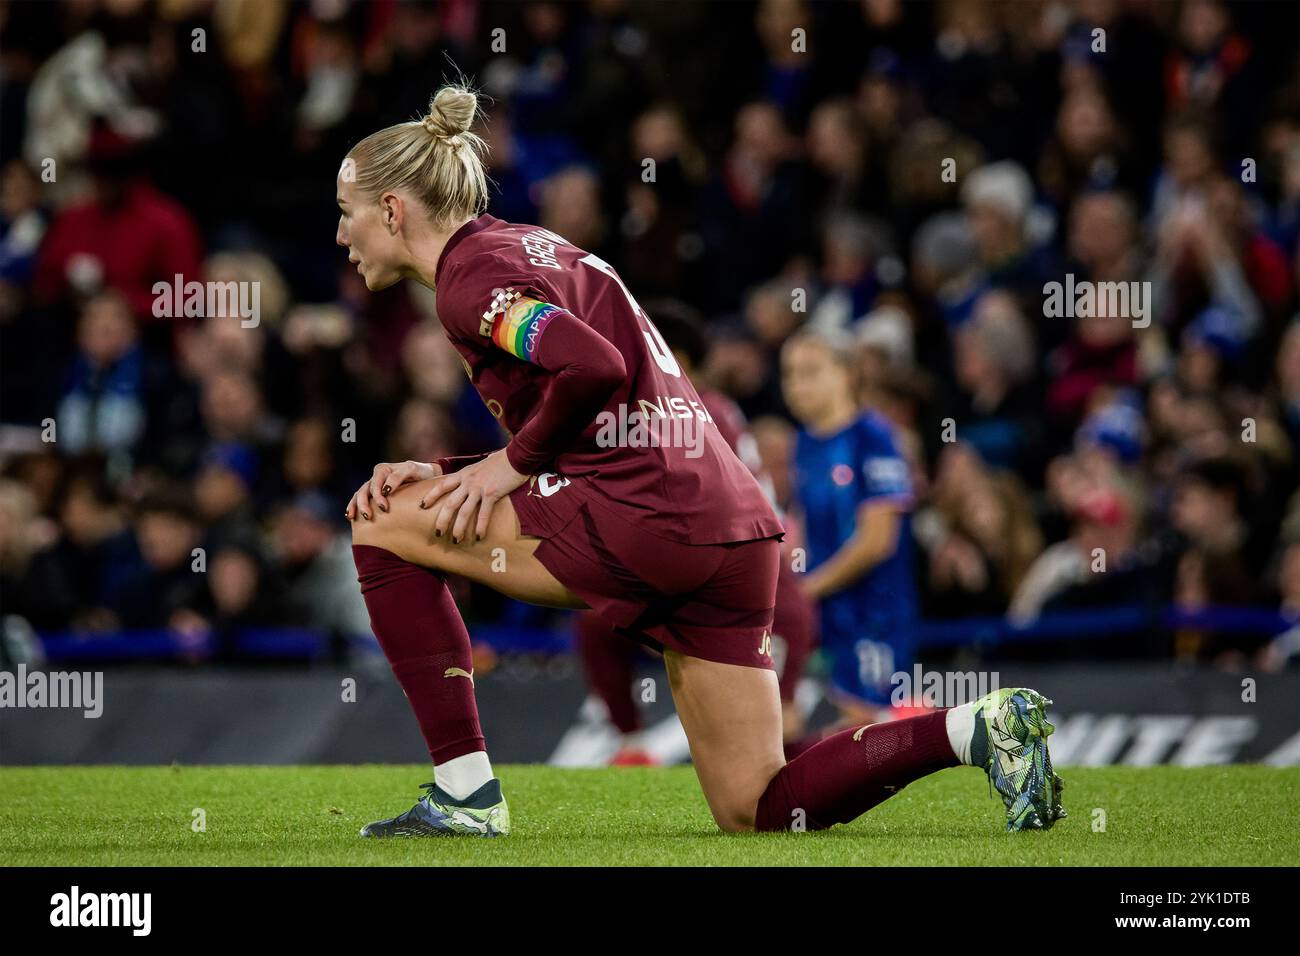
535 707
308 645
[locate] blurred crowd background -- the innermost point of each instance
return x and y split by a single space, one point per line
140 139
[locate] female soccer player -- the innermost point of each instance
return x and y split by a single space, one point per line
615 492
855 494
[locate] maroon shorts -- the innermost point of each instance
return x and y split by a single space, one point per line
713 601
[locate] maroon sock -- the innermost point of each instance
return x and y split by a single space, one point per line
844 776
423 636
607 662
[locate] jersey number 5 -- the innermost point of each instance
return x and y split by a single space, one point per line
663 355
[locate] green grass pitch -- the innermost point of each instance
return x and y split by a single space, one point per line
143 816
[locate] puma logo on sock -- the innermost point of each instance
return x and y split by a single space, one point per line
459 672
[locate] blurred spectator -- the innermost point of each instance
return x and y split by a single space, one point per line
571 208
995 408
23 222
1212 579
1190 161
242 593
979 535
1284 649
96 540
103 405
1103 237
886 353
224 487
661 248
1209 511
788 81
1086 150
946 266
851 248
1096 566
424 432
233 410
32 585
760 193
1099 352
316 557
94 83
1211 65
309 461
161 583
998 199
127 236
837 152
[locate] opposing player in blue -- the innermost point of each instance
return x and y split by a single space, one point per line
854 490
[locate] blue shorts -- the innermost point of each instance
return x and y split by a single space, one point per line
864 659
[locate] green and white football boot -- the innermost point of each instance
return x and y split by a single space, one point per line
482 814
1010 744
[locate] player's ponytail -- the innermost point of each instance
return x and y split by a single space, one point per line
435 157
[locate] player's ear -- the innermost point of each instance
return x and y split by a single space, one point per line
391 212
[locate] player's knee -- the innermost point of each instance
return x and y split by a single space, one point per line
737 810
734 824
734 819
378 530
365 531
399 530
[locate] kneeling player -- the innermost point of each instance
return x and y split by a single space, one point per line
680 548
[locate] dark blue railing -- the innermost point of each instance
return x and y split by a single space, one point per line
1103 622
309 645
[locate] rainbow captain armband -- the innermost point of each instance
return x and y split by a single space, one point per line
518 327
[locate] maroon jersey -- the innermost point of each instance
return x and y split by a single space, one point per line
653 455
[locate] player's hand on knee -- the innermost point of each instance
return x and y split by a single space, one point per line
445 502
468 510
466 499
441 487
387 478
381 486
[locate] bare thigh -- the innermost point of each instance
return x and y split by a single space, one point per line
504 559
732 718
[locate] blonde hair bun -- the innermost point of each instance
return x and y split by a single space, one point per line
437 158
451 112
